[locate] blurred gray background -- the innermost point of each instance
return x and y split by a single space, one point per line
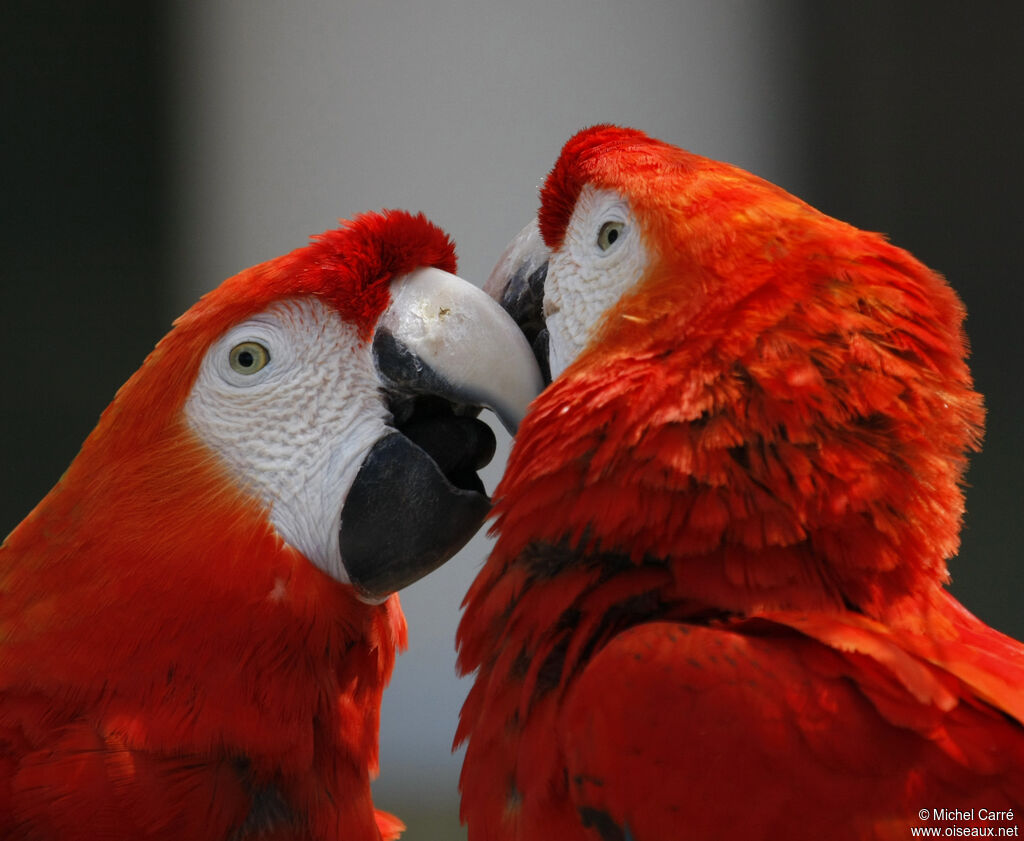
152 149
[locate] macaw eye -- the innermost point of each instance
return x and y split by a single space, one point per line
609 234
248 357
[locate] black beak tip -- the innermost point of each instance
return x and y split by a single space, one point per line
403 517
540 351
522 297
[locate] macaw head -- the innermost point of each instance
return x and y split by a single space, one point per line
335 392
739 380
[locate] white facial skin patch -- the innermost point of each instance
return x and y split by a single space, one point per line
289 400
601 258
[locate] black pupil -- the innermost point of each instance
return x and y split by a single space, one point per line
612 235
246 359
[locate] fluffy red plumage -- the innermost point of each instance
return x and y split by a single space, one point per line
169 668
715 608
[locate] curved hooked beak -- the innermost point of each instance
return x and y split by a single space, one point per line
443 350
445 335
517 283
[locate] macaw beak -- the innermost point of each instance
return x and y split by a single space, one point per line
443 350
517 283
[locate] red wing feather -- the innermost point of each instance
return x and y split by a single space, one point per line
757 732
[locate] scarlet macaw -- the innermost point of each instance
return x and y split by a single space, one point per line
715 608
197 622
